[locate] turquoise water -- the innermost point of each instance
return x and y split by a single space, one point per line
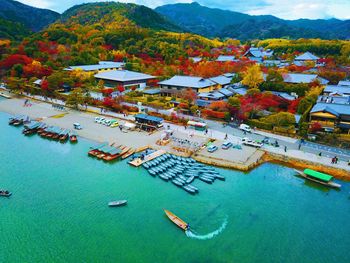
59 212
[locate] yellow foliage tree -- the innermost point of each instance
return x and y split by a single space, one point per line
253 77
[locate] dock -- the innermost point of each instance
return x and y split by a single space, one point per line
137 162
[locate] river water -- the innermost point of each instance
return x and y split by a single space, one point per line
59 213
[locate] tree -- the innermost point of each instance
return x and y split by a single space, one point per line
189 95
75 98
281 119
253 77
234 102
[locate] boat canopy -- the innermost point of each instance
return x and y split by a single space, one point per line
99 146
318 175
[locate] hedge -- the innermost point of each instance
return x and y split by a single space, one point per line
260 124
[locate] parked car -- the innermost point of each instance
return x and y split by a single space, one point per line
226 145
114 124
245 127
77 126
107 122
212 148
99 119
249 142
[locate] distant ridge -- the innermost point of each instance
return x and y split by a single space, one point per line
32 18
213 22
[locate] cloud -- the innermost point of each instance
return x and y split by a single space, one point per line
285 9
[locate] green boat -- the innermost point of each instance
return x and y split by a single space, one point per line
318 177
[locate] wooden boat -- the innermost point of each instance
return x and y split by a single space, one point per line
177 221
5 193
56 133
96 150
127 154
117 203
73 137
64 135
318 177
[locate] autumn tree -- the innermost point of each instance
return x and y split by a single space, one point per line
75 98
189 95
253 77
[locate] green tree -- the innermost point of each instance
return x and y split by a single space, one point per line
75 98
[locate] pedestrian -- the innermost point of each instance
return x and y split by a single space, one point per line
185 127
336 159
101 110
333 160
226 136
320 154
299 147
349 163
285 148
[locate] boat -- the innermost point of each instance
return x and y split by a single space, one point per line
205 179
177 221
318 177
73 136
5 193
189 189
64 135
193 187
128 153
117 203
220 177
190 180
177 183
164 177
96 150
31 128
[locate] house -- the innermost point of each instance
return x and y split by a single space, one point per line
332 113
307 56
258 54
334 90
221 81
345 83
238 90
174 85
297 78
284 95
226 59
211 96
37 83
125 78
196 59
101 66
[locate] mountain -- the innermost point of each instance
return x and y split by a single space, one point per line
213 22
140 15
32 18
12 30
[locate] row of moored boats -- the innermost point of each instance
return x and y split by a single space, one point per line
42 129
111 152
181 171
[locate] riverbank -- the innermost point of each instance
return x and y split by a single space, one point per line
244 159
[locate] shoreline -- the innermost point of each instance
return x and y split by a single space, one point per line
244 160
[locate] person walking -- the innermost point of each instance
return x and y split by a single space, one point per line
299 147
320 154
226 136
285 149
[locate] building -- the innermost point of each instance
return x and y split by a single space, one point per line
226 59
101 66
177 83
222 81
336 90
331 113
258 54
125 78
147 122
297 78
307 56
196 59
345 83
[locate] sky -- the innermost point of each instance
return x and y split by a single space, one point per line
285 9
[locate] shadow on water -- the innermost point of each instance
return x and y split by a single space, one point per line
319 187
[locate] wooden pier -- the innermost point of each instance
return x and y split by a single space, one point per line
137 162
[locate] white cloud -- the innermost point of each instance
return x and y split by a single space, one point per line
314 9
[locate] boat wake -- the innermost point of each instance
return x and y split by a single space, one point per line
192 234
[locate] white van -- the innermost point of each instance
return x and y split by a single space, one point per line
245 127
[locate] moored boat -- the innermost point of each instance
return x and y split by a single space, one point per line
5 193
96 150
177 221
117 203
128 153
318 177
73 136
